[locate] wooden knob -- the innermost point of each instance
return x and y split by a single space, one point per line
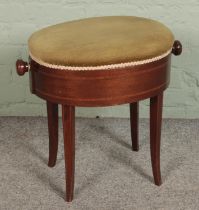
177 48
21 67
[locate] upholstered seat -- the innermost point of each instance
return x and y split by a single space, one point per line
101 43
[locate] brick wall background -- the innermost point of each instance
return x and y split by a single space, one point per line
18 19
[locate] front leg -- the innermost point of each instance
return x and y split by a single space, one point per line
68 118
155 135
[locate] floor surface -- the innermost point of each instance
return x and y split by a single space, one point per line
109 175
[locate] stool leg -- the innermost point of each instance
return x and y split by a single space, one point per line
155 135
68 117
52 111
134 121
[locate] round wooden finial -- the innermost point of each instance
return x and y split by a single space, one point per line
177 48
21 67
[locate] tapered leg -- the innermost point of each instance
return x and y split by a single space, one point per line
68 117
52 110
155 135
134 120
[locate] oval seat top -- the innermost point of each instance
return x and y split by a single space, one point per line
101 43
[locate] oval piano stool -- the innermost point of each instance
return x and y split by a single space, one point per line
96 88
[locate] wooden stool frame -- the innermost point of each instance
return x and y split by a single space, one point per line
96 88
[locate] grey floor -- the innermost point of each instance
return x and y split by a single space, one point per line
108 174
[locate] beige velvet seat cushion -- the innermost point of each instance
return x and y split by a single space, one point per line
99 41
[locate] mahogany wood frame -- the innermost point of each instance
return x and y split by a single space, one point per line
100 88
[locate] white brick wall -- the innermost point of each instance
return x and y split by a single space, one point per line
18 19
